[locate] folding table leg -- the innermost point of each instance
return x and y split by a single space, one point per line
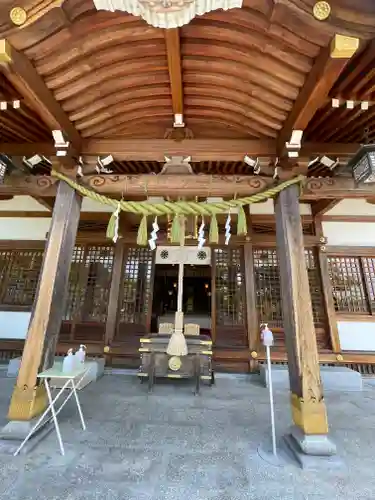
54 417
78 405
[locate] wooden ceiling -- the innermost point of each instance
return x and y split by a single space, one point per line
240 74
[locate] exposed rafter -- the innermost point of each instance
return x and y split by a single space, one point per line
25 79
326 70
172 40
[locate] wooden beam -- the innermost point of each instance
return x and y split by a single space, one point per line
114 293
308 408
327 289
172 41
29 399
331 188
198 149
252 320
187 185
320 207
24 77
313 95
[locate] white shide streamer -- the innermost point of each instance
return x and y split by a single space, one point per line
154 234
227 230
117 215
201 238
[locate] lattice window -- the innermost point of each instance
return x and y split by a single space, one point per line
268 290
230 281
136 286
89 283
19 275
369 273
353 282
267 286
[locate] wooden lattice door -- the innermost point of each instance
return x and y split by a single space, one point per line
88 293
268 294
230 315
134 311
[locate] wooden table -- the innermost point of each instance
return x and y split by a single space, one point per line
155 362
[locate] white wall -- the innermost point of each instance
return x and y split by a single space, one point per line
94 206
31 228
22 204
352 207
267 208
14 325
356 336
349 233
29 204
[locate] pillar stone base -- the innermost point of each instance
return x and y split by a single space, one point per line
310 416
27 403
313 444
15 431
312 452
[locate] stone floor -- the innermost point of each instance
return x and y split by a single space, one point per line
173 446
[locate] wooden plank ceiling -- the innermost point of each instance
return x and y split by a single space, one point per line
238 74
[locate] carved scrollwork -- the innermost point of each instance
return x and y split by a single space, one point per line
44 181
316 183
97 181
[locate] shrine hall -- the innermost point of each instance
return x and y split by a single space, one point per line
175 175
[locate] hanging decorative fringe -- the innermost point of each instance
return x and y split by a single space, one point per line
214 230
176 230
201 238
142 232
154 234
112 228
227 230
241 222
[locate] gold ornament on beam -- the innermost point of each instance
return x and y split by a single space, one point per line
322 10
18 16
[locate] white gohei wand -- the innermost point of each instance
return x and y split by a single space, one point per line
267 339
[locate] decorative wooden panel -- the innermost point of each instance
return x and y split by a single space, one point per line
230 297
19 274
268 293
88 293
135 303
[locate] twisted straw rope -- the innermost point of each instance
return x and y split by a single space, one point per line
177 207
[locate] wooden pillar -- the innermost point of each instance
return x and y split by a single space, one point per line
327 290
213 295
29 398
252 321
308 407
114 294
